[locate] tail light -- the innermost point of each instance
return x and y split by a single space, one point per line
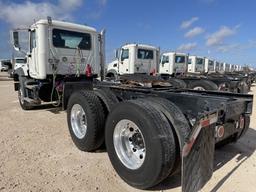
88 70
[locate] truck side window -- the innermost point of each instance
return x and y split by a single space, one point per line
32 40
189 61
125 54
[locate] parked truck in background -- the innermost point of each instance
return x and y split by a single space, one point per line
150 129
134 59
5 64
196 64
209 66
173 63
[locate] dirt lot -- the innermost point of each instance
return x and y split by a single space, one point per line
37 154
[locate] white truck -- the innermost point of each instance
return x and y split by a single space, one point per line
227 67
5 64
134 58
149 132
196 64
69 52
18 62
217 66
173 63
209 65
224 67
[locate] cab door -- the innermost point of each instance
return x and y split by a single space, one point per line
124 63
32 56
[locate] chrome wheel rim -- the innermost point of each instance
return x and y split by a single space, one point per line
129 144
199 88
21 96
78 121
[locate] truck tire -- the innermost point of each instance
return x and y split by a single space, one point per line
140 143
203 85
86 120
178 83
243 88
108 98
22 93
179 124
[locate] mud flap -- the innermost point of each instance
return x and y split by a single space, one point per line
198 155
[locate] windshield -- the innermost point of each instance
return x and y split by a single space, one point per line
19 60
145 54
199 61
179 59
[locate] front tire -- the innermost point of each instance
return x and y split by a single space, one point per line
136 126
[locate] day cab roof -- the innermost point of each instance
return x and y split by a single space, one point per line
194 56
206 58
142 46
175 53
64 24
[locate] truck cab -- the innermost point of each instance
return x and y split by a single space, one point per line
172 63
216 66
134 58
196 64
233 68
222 67
236 67
209 65
227 67
57 51
5 64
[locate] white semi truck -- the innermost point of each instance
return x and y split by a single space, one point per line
209 66
217 66
173 63
134 59
196 64
224 67
149 132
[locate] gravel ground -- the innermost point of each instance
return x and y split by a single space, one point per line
37 154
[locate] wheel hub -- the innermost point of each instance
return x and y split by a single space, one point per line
199 88
129 144
78 121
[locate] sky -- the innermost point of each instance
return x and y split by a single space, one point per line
219 29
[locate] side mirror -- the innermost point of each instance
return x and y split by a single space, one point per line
15 38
